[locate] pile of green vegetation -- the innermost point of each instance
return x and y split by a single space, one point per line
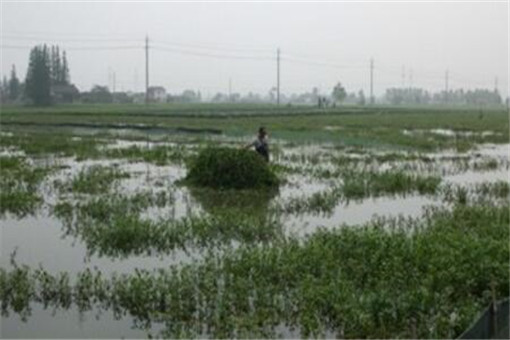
220 167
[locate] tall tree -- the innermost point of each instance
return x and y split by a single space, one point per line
57 68
14 85
339 93
38 79
4 89
53 64
65 79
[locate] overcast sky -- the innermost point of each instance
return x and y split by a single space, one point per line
202 46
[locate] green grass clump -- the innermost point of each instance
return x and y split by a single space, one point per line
19 183
113 226
220 167
159 155
96 179
358 185
59 144
364 184
481 193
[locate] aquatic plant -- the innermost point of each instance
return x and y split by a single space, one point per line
159 155
95 179
370 281
41 143
370 183
480 193
19 185
220 167
113 226
356 185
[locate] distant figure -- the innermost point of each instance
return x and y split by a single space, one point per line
261 144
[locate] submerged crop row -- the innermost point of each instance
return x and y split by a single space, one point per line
422 278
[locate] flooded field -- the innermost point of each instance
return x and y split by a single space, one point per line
102 238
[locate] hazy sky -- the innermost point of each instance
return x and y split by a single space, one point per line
202 45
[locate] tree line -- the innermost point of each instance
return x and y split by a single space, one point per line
418 96
48 80
47 68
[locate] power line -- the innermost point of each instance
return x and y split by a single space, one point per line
227 53
103 48
210 47
205 54
318 63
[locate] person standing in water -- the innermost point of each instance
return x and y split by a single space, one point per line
261 144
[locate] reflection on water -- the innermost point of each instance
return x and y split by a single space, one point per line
358 213
252 202
70 324
39 241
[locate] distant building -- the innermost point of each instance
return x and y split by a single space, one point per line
157 94
64 93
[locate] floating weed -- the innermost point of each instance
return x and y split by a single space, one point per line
106 208
360 282
37 144
159 155
96 179
322 202
486 164
357 185
19 185
363 184
481 193
112 226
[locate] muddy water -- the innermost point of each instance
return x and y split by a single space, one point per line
41 240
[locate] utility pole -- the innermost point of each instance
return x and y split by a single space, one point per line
496 84
114 80
411 79
446 86
372 81
278 76
146 69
